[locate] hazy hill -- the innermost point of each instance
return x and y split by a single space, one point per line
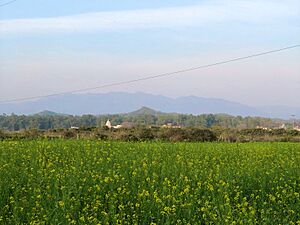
120 102
144 111
281 111
49 113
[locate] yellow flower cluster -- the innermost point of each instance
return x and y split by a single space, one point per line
97 182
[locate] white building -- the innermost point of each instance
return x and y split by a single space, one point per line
108 124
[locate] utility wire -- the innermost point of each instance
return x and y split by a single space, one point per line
8 3
153 76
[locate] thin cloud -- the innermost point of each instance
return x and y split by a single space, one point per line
204 14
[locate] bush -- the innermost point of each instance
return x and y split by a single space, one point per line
144 134
69 134
200 135
2 135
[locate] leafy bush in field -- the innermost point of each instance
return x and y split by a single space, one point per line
2 135
261 132
101 182
69 134
176 134
194 134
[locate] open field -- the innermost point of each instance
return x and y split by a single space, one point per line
98 182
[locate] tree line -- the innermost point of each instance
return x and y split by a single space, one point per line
45 122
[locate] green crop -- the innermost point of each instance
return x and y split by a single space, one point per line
97 182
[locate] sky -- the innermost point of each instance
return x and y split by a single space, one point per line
51 46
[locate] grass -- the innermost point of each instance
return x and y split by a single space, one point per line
97 182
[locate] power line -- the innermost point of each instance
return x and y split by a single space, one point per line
8 3
153 76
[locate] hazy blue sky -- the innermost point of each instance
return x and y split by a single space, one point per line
49 46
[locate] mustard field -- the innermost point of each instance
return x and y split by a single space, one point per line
98 182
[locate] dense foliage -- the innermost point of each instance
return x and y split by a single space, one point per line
97 182
45 122
146 133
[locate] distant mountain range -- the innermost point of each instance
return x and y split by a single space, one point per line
121 102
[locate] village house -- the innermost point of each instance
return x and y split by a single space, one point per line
297 128
170 125
122 125
263 128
